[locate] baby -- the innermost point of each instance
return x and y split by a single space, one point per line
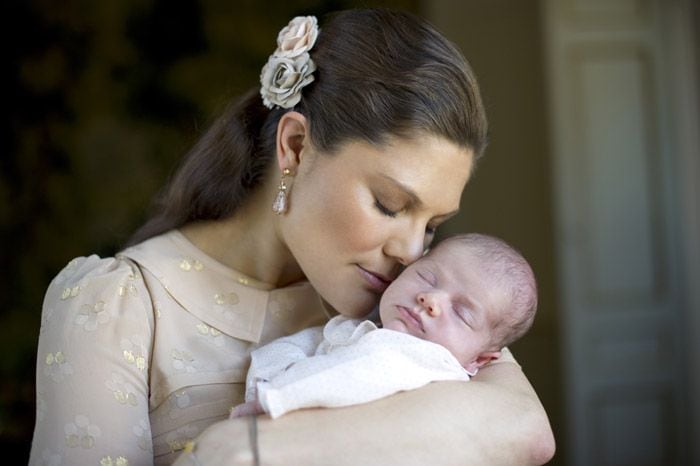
447 314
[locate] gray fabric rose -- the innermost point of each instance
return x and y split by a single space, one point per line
290 68
282 79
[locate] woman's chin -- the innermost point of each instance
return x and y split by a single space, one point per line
356 310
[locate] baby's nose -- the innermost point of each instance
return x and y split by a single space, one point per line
430 304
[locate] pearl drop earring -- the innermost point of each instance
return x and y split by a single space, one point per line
281 201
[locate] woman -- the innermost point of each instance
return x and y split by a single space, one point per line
337 170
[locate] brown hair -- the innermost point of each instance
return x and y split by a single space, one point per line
379 73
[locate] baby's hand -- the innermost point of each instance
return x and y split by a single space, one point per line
249 408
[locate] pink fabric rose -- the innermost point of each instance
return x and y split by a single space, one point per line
290 68
297 37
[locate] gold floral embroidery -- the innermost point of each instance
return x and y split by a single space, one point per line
57 366
226 298
185 265
134 352
227 303
212 334
118 461
125 398
183 361
178 444
281 305
179 439
128 288
123 391
70 292
57 358
189 264
90 316
81 433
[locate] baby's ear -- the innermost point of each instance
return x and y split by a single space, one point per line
480 361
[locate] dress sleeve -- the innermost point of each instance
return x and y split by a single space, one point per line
92 372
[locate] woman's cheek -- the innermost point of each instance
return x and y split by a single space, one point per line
359 225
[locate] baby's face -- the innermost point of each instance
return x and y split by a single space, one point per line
444 298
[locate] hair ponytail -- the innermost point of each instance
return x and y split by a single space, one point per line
220 171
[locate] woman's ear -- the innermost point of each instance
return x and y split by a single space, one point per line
292 139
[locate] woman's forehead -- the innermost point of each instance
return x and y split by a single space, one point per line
421 164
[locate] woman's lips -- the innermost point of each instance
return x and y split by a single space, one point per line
377 282
411 319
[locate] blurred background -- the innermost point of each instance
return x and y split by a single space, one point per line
592 172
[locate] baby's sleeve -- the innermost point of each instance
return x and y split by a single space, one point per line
379 364
275 357
93 366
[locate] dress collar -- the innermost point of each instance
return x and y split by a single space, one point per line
228 300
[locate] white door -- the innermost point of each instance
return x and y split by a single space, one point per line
619 224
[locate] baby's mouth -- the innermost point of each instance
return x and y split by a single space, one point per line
411 319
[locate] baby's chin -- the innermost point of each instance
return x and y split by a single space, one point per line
396 325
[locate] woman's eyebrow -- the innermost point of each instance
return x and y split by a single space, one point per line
414 199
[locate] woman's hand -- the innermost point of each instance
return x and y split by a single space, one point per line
249 408
224 443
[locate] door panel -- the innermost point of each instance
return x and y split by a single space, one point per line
621 309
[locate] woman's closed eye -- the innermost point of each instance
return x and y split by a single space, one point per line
384 209
389 212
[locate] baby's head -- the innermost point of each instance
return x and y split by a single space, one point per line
473 294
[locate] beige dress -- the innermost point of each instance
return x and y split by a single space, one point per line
140 353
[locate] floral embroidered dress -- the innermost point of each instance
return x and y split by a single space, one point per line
140 353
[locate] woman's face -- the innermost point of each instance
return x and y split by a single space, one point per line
357 216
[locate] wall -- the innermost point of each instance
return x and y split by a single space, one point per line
510 194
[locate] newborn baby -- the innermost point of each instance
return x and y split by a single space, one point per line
444 317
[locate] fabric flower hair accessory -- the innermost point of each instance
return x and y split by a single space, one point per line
290 67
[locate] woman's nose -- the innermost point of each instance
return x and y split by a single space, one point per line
406 246
430 303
